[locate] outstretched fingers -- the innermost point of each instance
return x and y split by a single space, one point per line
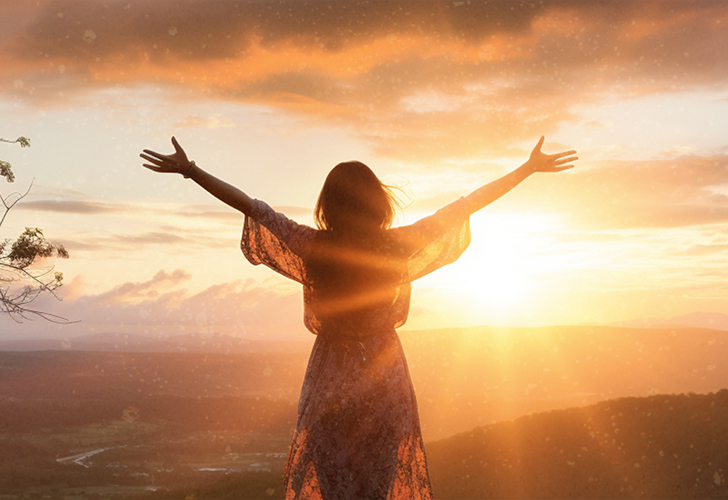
158 156
152 167
562 154
569 159
154 159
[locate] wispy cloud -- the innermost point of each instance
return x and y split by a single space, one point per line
146 289
76 207
705 250
214 121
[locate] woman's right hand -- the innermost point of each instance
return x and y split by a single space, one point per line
177 162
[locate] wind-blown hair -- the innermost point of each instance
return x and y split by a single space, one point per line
354 200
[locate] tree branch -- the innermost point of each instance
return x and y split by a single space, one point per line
16 259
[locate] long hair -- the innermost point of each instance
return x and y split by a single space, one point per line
354 200
351 273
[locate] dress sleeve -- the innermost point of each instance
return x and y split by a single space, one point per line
273 239
437 240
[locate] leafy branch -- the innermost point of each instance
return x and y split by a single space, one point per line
6 169
17 258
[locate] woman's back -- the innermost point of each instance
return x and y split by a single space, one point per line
356 281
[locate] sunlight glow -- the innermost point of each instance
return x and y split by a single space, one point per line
499 272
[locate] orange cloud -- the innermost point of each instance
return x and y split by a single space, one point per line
512 71
214 121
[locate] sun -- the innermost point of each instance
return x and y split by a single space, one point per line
497 276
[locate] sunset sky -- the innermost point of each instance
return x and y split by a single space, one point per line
437 97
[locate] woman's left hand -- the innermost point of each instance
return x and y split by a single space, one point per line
541 162
177 162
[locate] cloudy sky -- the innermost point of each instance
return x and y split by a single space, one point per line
437 97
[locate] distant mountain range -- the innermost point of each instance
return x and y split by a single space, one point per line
220 343
464 377
716 321
122 342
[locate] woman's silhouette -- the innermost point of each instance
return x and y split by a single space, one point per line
358 432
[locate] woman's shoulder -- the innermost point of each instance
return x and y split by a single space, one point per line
280 224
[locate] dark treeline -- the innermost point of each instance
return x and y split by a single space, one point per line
666 446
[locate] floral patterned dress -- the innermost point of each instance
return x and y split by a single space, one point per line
357 434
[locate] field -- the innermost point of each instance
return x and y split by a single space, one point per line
503 410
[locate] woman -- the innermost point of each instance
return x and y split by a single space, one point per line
357 435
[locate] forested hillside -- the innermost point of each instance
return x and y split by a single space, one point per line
666 446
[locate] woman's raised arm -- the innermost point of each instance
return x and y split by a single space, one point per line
178 163
537 162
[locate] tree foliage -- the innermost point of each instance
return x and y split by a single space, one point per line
20 282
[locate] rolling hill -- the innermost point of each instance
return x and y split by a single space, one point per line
664 446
